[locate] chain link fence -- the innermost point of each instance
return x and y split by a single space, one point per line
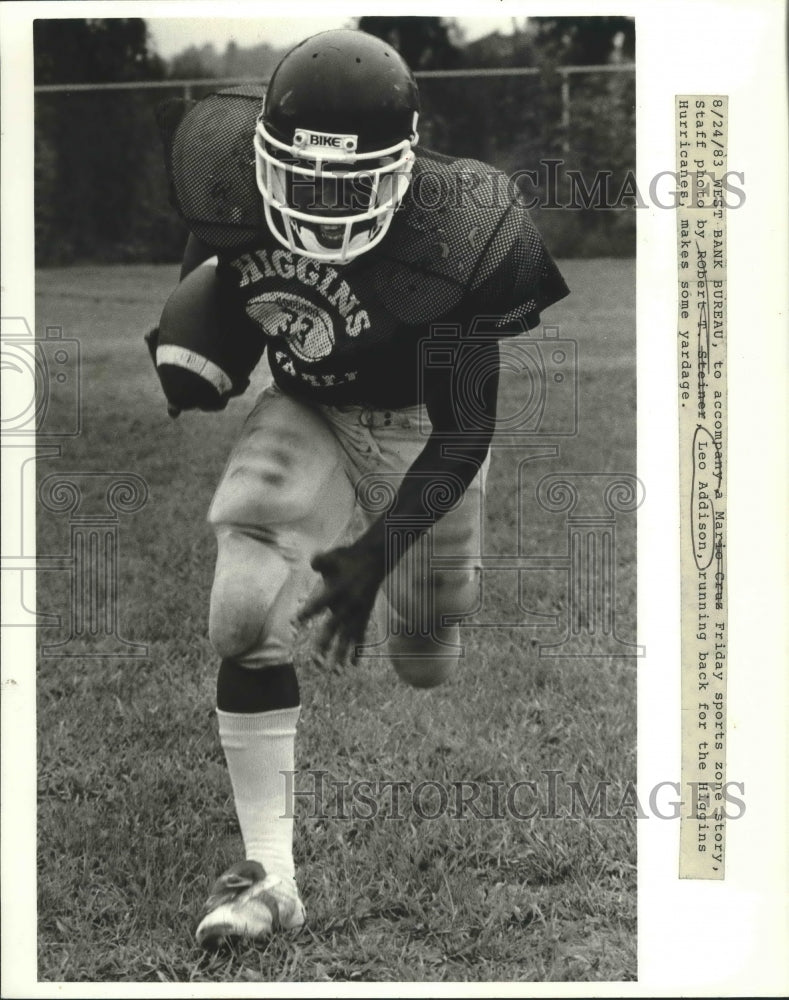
102 194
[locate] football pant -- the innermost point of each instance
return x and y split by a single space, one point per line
302 479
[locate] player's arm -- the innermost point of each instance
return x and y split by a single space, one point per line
196 252
463 418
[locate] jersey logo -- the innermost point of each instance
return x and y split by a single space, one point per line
306 329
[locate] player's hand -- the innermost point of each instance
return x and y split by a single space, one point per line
351 578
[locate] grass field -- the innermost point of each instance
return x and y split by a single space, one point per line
135 816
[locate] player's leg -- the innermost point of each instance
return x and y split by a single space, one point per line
425 602
283 496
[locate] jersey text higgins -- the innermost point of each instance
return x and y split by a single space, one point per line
261 264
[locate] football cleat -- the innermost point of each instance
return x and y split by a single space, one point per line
245 904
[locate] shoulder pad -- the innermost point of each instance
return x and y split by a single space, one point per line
516 277
465 236
210 160
453 210
168 117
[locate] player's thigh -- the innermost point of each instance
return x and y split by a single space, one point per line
283 497
419 587
284 474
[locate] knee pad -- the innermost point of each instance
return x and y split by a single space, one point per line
456 592
244 623
422 600
425 661
423 638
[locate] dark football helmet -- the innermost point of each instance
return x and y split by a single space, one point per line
334 144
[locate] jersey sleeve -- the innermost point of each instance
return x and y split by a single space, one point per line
516 277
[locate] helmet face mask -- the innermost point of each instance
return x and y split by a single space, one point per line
330 208
334 145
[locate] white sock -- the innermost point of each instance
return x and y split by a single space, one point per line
258 748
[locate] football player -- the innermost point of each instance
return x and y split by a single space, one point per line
378 277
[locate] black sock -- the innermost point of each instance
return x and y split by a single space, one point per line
264 689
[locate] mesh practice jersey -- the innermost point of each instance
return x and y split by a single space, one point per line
461 246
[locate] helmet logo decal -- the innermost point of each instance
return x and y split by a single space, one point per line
308 140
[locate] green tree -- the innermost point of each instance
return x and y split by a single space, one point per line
424 42
83 50
98 166
196 63
582 41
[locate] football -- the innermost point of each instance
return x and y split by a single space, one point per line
203 351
